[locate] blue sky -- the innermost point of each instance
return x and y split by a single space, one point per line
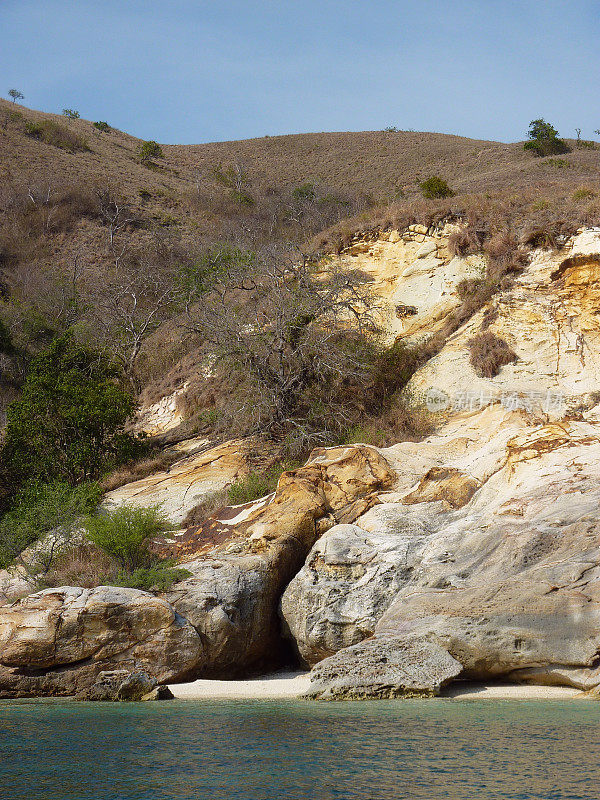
205 70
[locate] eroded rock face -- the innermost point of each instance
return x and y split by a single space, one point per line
505 567
513 582
189 481
508 583
59 640
382 668
415 277
350 578
233 595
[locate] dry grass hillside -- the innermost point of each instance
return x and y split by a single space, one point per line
85 224
377 163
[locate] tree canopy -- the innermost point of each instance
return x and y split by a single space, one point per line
68 423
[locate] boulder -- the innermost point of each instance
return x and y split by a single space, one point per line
383 667
123 686
58 641
231 600
351 576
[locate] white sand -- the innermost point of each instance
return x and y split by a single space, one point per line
276 686
290 685
509 691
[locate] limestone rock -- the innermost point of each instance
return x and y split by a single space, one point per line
59 640
232 596
123 686
350 577
14 584
414 269
549 318
189 481
135 687
105 687
158 693
231 600
381 668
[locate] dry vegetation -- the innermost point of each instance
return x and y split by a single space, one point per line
489 353
91 236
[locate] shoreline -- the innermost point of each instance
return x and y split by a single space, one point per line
291 685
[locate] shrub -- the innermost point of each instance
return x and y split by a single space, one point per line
15 94
56 135
543 139
583 194
126 534
435 187
158 578
6 345
67 424
489 353
257 484
40 508
80 563
393 368
559 163
304 193
148 151
464 242
70 113
102 126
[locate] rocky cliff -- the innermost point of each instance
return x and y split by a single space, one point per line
472 553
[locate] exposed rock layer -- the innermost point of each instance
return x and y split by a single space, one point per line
475 551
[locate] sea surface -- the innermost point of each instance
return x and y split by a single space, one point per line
294 750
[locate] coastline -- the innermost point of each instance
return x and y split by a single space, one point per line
291 685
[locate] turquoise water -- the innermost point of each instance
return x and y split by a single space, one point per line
430 750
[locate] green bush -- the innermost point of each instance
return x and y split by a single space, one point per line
148 151
257 484
102 126
68 423
543 139
305 193
125 534
435 187
70 113
56 135
216 263
581 194
40 508
158 578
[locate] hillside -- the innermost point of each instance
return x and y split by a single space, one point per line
376 164
83 219
391 571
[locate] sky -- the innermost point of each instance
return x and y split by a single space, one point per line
191 71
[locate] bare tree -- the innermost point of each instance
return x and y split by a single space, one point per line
293 335
130 306
115 214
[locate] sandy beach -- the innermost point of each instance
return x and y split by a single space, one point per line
290 685
275 686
